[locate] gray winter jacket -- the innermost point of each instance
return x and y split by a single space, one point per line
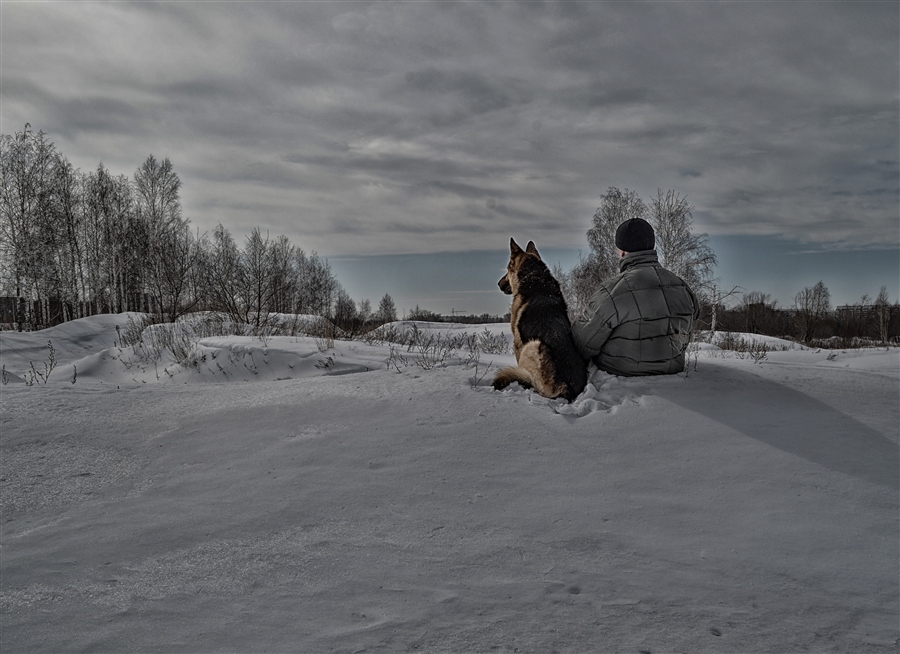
639 322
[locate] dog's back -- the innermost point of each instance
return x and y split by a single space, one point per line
542 336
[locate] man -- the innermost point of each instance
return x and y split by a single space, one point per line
639 322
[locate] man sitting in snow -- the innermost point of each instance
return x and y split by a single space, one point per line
639 322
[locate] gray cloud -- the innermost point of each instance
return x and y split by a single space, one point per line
415 127
476 94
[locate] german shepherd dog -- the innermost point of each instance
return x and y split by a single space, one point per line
542 335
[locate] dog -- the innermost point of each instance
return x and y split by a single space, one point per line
547 358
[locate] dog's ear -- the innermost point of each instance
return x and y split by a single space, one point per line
514 247
530 249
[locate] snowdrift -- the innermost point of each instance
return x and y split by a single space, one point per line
341 496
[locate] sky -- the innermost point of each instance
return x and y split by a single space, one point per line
407 141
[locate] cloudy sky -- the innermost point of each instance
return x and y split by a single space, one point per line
379 132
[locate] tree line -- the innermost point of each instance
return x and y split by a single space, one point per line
74 244
811 319
86 243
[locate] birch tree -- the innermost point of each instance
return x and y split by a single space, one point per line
222 274
318 287
27 232
602 262
69 219
284 275
171 247
258 271
882 315
615 208
680 250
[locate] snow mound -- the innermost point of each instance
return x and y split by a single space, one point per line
745 506
93 350
604 392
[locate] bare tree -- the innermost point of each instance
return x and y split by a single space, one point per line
266 276
615 208
425 315
117 247
686 254
715 300
883 315
345 314
222 274
580 283
318 286
257 287
365 311
285 276
758 312
27 232
68 216
170 245
177 252
811 307
158 197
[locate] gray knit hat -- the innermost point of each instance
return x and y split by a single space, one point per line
635 235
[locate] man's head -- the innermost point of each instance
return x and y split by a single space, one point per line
635 235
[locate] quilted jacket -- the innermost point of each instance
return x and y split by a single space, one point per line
639 322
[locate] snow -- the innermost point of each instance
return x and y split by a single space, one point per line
320 497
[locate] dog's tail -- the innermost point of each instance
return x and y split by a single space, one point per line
515 374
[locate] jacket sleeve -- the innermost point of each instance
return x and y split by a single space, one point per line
592 329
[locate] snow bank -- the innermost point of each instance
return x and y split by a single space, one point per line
91 350
743 507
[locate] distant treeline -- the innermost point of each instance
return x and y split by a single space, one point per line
811 319
74 244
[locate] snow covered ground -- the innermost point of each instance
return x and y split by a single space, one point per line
350 500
